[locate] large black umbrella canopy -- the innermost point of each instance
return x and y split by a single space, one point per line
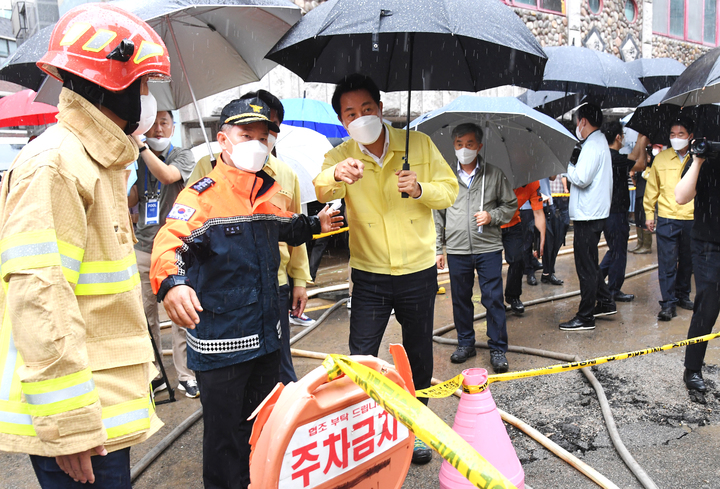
654 118
603 78
699 83
551 103
656 73
470 45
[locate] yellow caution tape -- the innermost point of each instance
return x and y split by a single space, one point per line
447 388
330 233
420 420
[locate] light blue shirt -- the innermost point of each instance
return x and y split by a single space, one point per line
591 178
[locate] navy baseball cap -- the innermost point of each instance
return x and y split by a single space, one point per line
246 111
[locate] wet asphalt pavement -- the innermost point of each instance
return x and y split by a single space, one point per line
675 440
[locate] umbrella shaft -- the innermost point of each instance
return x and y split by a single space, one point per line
406 165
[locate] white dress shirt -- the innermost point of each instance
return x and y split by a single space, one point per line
591 178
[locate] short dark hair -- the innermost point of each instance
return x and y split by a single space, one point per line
683 122
592 113
612 130
351 83
271 100
169 113
462 129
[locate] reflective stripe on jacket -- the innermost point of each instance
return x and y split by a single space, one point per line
223 235
75 355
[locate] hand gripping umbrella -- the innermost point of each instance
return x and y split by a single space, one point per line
424 44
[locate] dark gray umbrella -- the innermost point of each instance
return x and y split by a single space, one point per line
654 118
551 103
656 73
20 68
699 83
421 45
603 78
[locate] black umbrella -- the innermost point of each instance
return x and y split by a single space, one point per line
603 78
551 103
653 118
699 83
20 68
425 45
656 73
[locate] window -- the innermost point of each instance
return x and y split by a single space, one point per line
556 6
689 20
630 11
7 47
595 6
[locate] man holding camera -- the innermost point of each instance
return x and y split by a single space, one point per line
700 183
674 221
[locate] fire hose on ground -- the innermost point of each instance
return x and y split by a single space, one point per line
588 471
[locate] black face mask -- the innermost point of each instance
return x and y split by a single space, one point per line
124 104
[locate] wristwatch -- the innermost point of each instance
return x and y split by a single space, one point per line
142 148
170 282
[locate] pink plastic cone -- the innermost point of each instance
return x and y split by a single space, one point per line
478 422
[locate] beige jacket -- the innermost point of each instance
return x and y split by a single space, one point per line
75 353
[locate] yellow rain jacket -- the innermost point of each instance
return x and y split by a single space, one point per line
75 354
663 176
388 234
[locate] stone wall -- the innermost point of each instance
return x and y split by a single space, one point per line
685 52
549 29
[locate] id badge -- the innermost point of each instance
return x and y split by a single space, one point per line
152 208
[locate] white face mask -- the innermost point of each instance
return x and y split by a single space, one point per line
249 156
466 156
271 142
678 144
578 134
655 151
365 129
158 144
148 113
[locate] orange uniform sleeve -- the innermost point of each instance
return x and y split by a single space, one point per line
186 216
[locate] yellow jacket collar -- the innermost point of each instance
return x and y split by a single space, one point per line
104 141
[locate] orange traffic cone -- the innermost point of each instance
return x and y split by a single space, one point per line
478 422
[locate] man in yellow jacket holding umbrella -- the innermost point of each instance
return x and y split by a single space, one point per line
75 354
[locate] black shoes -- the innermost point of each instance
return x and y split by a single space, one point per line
577 324
498 361
462 354
531 280
158 385
516 305
621 296
604 309
667 313
686 303
694 380
551 279
537 265
422 454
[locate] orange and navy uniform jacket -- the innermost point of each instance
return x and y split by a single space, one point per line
530 192
221 238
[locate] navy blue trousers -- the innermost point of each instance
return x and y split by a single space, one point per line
413 298
111 472
706 263
674 259
617 232
462 278
512 239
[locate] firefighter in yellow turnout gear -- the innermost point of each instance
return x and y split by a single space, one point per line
75 354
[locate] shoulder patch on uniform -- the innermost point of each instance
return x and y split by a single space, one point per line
181 212
202 185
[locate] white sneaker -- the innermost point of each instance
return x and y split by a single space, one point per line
190 388
301 320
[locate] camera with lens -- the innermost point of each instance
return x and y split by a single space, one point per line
704 148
